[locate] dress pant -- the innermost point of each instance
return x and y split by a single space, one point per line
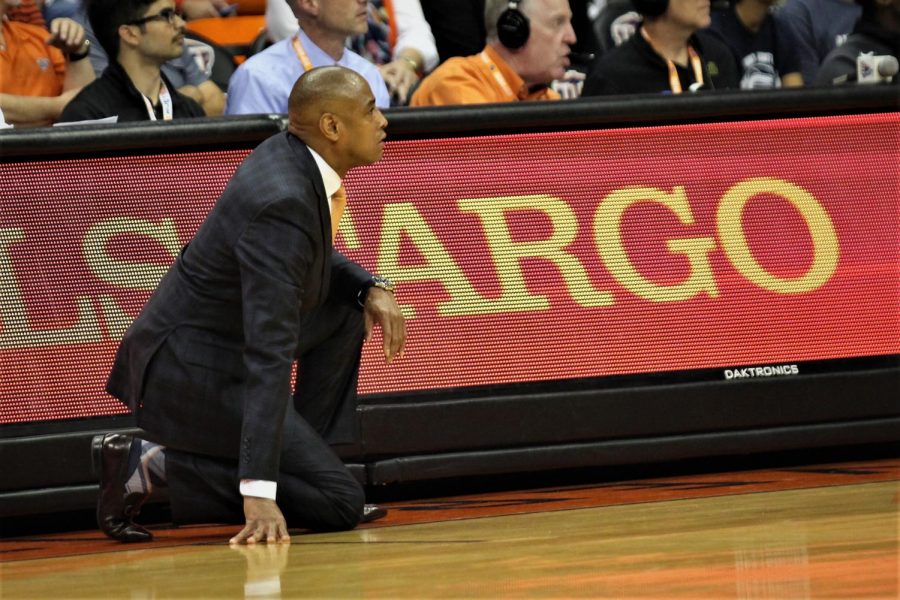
315 489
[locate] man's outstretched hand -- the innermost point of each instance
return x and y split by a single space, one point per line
265 523
381 308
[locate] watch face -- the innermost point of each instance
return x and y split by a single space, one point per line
383 283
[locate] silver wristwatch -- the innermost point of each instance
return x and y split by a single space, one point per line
376 281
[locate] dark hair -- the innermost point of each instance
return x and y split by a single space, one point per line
651 8
106 16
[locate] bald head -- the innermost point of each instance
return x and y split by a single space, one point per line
333 111
319 91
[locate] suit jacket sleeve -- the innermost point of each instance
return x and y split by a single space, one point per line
347 278
274 254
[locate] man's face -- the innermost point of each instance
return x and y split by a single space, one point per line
546 54
690 14
347 17
364 124
161 35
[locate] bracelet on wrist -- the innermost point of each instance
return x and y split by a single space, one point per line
85 50
412 63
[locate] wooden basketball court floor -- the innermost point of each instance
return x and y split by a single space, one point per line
822 531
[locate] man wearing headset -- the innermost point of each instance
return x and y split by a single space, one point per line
668 55
528 47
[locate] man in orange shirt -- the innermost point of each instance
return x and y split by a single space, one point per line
40 71
528 46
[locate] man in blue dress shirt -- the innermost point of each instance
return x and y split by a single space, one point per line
263 83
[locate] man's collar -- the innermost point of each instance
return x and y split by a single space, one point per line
516 83
316 55
330 179
644 47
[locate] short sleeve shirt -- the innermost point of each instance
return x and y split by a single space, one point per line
28 66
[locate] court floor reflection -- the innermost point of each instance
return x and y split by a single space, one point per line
839 541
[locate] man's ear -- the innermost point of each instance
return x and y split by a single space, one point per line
330 126
305 7
127 35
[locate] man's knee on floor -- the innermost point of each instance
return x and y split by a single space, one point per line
347 510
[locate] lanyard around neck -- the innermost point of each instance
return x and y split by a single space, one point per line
301 53
674 81
495 71
165 99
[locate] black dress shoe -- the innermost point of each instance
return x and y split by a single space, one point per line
115 509
372 512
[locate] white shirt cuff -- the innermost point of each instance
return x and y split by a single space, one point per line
258 488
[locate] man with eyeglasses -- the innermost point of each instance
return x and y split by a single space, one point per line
142 35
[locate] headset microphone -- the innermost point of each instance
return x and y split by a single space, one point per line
582 58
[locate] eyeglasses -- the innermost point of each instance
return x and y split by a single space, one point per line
166 14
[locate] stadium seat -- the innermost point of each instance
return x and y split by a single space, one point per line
234 34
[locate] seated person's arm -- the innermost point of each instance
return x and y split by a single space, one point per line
402 73
69 37
32 111
208 95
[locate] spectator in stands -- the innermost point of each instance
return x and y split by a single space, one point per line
820 26
528 47
398 40
40 70
142 35
263 83
764 46
184 72
670 54
457 26
877 31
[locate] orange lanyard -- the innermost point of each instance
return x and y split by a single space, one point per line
498 76
301 53
674 81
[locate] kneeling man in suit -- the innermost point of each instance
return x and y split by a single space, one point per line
206 366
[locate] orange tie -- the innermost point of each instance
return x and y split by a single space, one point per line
338 204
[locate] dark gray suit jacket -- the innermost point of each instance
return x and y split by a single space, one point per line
228 311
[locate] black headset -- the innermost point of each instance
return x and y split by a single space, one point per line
512 26
651 8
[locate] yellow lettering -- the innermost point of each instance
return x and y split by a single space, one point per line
826 249
16 331
403 218
126 274
120 273
506 253
347 230
608 236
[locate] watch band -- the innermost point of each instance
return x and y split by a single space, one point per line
76 56
377 281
